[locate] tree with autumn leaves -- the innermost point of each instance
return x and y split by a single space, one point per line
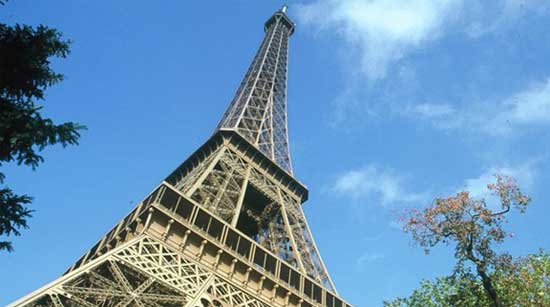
481 276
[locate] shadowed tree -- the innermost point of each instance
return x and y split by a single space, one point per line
25 73
472 227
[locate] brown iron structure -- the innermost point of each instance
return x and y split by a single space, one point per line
226 228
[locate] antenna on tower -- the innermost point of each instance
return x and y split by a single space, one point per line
283 9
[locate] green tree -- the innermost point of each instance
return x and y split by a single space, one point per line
25 73
472 227
525 281
522 282
444 291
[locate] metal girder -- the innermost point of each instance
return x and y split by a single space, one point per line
220 188
143 273
258 110
248 155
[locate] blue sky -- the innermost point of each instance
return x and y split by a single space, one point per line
391 104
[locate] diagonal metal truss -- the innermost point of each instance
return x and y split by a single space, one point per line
258 110
220 187
226 228
143 273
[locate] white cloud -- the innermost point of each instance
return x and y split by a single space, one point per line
383 30
483 20
372 182
524 174
377 35
527 108
386 188
430 111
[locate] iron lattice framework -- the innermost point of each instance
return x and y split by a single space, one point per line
258 110
226 228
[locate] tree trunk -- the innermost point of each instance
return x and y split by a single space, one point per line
488 286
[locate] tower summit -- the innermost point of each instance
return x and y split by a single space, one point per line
258 110
225 228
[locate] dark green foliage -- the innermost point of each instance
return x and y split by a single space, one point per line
25 73
12 215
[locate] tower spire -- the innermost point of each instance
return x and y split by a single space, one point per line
225 228
284 8
258 110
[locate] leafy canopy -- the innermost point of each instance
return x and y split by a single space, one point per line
522 282
472 227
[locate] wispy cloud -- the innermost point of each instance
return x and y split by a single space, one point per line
430 111
486 17
382 30
386 187
527 108
377 184
524 174
385 31
368 258
531 106
379 36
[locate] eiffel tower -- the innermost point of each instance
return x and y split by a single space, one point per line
225 228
